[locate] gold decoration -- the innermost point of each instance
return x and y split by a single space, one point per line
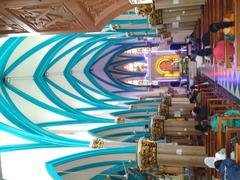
129 33
97 143
144 9
163 110
155 18
147 154
166 35
120 120
162 30
157 127
167 100
115 26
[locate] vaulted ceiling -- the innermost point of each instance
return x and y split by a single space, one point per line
64 79
60 78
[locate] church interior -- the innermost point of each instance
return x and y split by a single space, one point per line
120 89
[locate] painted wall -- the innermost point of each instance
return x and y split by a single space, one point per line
229 79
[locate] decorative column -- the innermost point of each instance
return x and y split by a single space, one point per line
151 154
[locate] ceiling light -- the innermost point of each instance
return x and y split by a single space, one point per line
46 74
6 79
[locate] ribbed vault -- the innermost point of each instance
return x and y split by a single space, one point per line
61 79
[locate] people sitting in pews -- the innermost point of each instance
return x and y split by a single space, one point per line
214 27
200 114
195 95
228 168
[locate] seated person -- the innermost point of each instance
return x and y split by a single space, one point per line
200 114
193 96
228 168
192 99
198 98
214 27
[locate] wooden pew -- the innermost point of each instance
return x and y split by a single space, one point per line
182 132
175 130
237 153
218 100
214 141
222 107
204 96
229 134
205 87
217 141
209 95
220 140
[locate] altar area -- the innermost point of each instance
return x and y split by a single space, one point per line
164 66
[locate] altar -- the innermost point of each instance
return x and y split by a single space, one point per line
163 66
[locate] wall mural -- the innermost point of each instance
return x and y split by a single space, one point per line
163 66
168 65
